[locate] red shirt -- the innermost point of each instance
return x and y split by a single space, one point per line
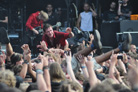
33 21
59 38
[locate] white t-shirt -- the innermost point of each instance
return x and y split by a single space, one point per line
86 21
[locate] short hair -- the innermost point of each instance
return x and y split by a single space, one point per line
15 58
17 69
49 4
44 15
8 78
46 26
133 55
86 3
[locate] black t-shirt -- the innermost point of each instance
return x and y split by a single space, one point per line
125 10
3 14
53 19
109 15
56 86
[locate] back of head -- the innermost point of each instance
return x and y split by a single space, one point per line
32 87
56 72
102 88
70 86
8 78
44 15
15 58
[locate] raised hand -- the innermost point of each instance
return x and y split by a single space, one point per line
68 56
82 59
68 30
42 46
25 48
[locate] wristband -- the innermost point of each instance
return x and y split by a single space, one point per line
83 67
45 67
25 62
39 71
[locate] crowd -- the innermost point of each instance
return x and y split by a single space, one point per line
57 70
64 67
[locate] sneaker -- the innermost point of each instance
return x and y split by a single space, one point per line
3 36
125 46
97 41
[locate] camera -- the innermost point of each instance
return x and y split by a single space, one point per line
37 60
120 57
121 1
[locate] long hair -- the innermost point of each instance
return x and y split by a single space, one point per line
56 72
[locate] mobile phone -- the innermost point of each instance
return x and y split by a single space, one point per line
37 60
120 57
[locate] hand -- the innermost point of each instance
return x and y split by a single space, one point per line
68 30
42 46
82 59
35 31
68 56
89 64
25 48
125 60
27 56
113 58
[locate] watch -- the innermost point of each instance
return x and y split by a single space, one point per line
45 67
39 71
25 62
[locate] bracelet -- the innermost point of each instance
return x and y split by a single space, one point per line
83 67
39 71
47 50
45 67
25 62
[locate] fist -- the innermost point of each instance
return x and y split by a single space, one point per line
68 30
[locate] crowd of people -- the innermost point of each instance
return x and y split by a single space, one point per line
63 67
56 69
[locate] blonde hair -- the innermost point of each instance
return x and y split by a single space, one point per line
44 15
56 72
8 78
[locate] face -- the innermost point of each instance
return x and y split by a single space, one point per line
86 7
42 18
50 60
49 8
20 62
49 32
133 49
125 1
113 5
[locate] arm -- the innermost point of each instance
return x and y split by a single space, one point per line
92 76
40 79
119 9
28 24
78 22
82 60
5 21
46 73
94 14
121 65
32 73
112 67
69 68
27 59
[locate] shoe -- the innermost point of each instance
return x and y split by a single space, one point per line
97 41
125 46
3 36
